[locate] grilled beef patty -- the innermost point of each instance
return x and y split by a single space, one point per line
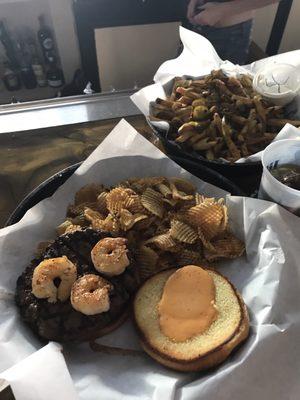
59 321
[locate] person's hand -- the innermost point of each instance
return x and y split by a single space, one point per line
191 11
211 14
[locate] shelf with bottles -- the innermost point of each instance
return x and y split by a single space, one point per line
30 63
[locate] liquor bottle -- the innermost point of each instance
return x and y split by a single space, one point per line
8 45
11 79
55 76
27 74
46 41
39 72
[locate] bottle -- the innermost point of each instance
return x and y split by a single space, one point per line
46 41
55 76
27 75
11 79
8 45
39 73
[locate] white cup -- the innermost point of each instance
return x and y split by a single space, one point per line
277 153
278 83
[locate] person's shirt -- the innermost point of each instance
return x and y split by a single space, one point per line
235 19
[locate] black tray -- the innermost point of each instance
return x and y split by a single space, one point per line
48 187
233 171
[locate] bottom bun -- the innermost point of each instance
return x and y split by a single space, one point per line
203 351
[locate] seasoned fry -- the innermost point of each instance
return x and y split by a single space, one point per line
196 108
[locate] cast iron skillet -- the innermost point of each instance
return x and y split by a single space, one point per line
48 187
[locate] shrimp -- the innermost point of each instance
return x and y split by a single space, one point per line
90 294
43 286
109 256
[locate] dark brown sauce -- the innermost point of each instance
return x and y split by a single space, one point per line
288 174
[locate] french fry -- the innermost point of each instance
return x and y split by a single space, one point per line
196 108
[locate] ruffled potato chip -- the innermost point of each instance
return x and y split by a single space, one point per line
109 224
134 204
164 190
183 185
178 194
117 199
92 215
147 262
72 229
61 229
75 211
163 242
102 203
183 232
139 185
210 218
169 223
227 246
145 224
127 220
88 194
152 201
189 257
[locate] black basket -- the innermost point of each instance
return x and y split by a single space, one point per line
48 187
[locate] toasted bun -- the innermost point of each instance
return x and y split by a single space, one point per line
202 351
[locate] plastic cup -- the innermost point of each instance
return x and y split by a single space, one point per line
278 153
278 83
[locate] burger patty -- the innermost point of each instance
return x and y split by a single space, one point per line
59 321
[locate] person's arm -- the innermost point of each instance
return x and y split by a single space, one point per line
212 13
240 6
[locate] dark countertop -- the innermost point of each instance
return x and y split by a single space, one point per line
28 159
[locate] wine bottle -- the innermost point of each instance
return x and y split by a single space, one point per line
8 45
55 76
11 79
46 40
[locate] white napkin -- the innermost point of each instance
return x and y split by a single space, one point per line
41 376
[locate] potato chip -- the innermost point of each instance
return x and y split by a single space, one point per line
171 202
147 261
189 257
183 232
152 201
165 219
164 190
145 224
88 194
227 246
163 242
210 218
109 224
178 194
134 204
117 199
72 229
101 203
127 220
183 185
74 211
139 185
92 215
199 198
61 229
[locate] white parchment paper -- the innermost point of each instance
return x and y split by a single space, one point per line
265 367
198 59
